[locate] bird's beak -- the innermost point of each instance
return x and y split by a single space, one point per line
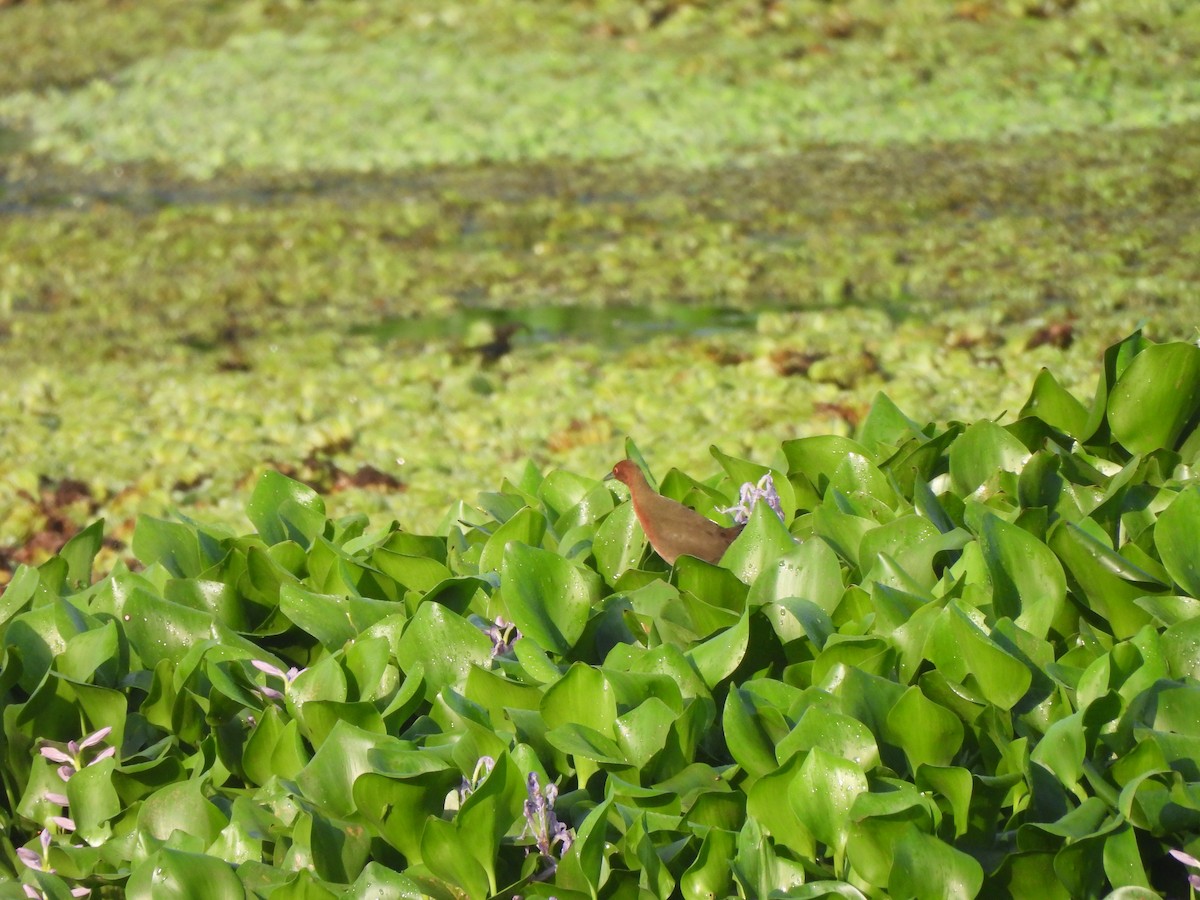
609 477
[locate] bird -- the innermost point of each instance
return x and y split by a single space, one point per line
672 529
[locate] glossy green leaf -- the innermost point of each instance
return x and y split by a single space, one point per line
548 597
1177 539
1028 584
177 875
983 449
443 853
442 646
810 572
1109 584
927 867
717 657
817 457
822 793
173 545
762 542
710 875
619 543
527 527
285 510
1056 406
331 619
886 424
1155 397
1003 678
929 734
837 734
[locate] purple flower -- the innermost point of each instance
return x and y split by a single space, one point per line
483 768
1192 863
543 825
504 635
748 496
35 860
275 672
41 862
34 894
72 758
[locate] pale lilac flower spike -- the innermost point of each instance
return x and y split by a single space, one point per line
483 768
750 494
543 824
1192 863
32 858
72 757
286 677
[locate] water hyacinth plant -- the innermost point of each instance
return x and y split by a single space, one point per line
960 663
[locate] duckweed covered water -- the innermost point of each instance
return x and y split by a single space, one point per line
723 227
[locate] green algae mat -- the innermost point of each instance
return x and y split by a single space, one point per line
953 662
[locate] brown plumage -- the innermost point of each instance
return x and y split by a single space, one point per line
672 529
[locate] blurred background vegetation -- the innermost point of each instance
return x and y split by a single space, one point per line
395 250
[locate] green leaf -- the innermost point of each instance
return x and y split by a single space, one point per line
1156 397
548 597
173 545
180 807
822 793
769 801
489 813
710 874
809 571
886 425
414 572
583 866
817 457
837 734
983 449
910 541
1056 406
171 874
749 739
443 852
1177 539
1063 749
80 552
398 796
619 543
930 869
1028 584
717 658
527 527
328 779
582 696
1002 677
1109 585
953 783
857 477
929 734
285 510
762 542
18 592
443 646
94 800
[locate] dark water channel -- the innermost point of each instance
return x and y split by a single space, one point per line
613 326
142 192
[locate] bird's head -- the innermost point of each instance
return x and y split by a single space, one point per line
626 472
